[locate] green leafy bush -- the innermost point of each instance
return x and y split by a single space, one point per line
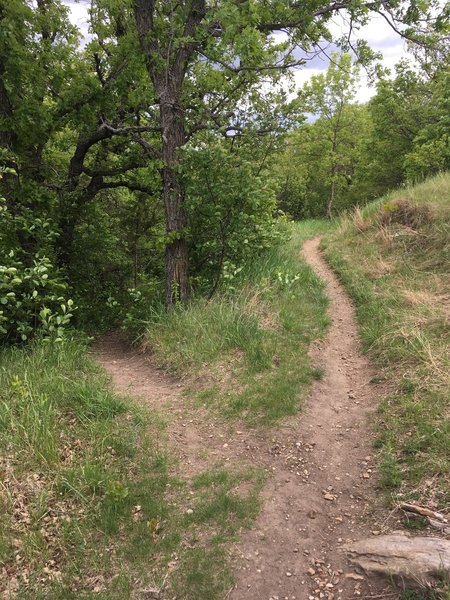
231 209
32 298
33 294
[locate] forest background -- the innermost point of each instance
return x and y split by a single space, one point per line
149 164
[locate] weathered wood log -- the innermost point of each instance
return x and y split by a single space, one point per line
417 559
423 511
443 527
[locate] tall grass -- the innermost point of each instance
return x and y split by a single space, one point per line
394 258
248 344
74 459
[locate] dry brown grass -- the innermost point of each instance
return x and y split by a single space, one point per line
360 221
405 212
256 306
426 298
385 236
379 268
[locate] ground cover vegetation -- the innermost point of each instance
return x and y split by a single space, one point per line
393 257
244 352
148 175
90 504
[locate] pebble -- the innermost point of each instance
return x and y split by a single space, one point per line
354 576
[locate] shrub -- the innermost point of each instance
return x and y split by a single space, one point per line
403 211
32 298
33 295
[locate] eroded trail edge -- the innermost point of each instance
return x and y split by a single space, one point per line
322 493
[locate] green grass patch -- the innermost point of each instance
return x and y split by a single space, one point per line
220 502
75 461
393 257
88 508
245 350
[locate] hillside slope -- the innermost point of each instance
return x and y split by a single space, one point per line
393 257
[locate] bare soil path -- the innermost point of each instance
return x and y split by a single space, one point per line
196 440
321 492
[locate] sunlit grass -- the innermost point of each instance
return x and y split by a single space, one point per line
88 507
248 345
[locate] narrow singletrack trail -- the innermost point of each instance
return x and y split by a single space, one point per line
321 492
196 440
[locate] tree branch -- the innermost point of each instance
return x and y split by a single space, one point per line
105 131
98 184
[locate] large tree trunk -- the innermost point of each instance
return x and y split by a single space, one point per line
167 68
177 252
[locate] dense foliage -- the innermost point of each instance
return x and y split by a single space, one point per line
351 153
142 164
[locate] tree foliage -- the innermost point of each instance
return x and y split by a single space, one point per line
142 158
319 170
350 153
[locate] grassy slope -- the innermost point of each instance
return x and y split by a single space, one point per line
393 257
246 349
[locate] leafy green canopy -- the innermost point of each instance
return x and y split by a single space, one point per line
354 153
106 149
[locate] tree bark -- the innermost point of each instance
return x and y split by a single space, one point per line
332 195
177 250
333 169
167 71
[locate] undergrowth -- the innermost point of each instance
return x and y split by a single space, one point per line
88 505
394 258
245 350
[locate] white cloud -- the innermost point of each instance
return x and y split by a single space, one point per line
381 38
79 15
302 76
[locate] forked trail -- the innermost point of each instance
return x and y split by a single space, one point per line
321 492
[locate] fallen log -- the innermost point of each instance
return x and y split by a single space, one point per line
423 512
417 559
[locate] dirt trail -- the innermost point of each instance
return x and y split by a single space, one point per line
196 440
321 490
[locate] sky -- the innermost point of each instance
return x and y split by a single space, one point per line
377 33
